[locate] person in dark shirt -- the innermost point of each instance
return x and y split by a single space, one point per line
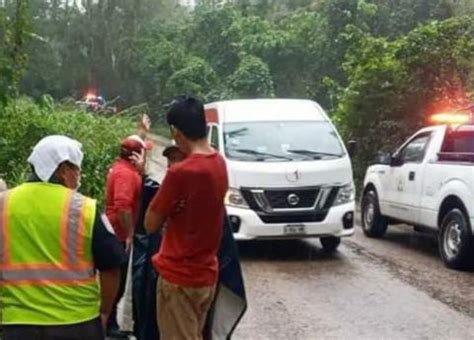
223 317
173 155
107 251
144 247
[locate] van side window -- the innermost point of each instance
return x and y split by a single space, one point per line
215 137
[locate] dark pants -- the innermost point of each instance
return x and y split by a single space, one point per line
90 330
144 286
112 322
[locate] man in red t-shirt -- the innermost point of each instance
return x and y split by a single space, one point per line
187 259
123 191
124 185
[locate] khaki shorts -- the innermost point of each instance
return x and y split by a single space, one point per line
182 311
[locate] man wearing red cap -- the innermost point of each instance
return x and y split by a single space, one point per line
124 182
123 191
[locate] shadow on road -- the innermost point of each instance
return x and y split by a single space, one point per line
407 238
285 250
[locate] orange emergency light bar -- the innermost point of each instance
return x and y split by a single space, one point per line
454 118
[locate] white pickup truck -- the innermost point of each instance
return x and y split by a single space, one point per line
427 183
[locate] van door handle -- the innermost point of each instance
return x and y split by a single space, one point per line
411 176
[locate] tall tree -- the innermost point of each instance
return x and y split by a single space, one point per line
14 29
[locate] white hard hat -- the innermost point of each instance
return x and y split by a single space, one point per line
51 151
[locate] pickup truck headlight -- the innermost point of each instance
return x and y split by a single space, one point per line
234 198
345 194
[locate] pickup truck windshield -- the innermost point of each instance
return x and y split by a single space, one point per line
281 141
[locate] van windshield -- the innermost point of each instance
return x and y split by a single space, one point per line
281 141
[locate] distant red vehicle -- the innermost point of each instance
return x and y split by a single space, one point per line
97 104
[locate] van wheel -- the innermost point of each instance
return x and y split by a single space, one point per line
455 240
330 243
374 224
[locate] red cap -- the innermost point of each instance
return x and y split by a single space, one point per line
135 143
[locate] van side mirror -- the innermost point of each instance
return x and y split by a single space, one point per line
352 148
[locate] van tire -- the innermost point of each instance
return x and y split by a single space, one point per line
374 224
455 241
330 243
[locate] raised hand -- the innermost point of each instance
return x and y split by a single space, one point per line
144 125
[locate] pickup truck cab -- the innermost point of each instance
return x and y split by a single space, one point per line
290 175
428 183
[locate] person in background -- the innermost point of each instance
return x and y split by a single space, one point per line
173 155
123 192
223 317
187 259
144 126
49 289
145 246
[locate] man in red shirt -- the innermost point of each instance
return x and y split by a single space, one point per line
124 185
123 191
187 259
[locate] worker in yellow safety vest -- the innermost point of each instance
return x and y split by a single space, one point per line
53 242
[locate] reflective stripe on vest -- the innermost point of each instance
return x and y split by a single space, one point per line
3 217
73 266
46 274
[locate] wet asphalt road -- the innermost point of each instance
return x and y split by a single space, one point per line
391 288
394 288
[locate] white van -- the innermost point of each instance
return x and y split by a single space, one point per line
290 175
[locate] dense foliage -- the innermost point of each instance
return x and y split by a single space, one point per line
378 66
394 86
24 124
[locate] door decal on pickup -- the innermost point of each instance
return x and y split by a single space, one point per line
400 185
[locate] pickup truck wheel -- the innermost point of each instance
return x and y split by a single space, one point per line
374 224
330 243
455 240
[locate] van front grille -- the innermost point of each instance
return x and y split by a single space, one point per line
276 205
279 199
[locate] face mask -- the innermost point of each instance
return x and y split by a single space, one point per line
79 183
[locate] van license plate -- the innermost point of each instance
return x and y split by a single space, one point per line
294 229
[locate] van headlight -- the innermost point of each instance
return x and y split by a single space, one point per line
345 194
234 198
